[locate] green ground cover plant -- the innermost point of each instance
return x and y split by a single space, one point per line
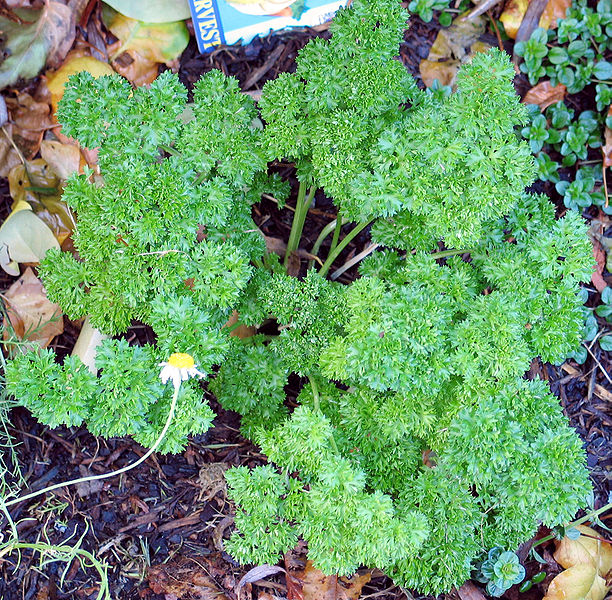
577 54
423 355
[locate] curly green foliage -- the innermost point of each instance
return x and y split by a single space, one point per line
252 381
310 313
395 337
55 394
537 270
447 161
163 183
264 496
331 111
336 494
444 560
127 398
507 445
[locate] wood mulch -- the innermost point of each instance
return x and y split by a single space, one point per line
160 527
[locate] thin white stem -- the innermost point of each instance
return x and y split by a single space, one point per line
104 475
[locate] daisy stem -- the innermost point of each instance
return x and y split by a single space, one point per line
104 475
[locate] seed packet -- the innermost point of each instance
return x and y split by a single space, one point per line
228 21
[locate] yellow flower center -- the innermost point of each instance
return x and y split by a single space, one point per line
180 360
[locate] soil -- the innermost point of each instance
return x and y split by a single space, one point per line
160 527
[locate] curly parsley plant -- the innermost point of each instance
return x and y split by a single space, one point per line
415 444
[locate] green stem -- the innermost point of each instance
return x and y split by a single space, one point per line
446 253
317 407
315 393
339 223
580 521
341 246
169 149
319 242
299 218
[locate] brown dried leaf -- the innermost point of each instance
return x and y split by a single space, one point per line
577 583
468 591
315 585
588 549
9 157
544 94
32 316
41 36
188 581
600 259
448 52
606 149
30 121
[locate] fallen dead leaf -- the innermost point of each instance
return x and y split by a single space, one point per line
543 94
134 67
30 119
9 156
587 561
141 46
87 343
449 52
515 10
37 185
555 11
24 238
64 159
184 581
32 316
257 574
315 585
242 331
588 549
211 480
577 583
44 37
468 591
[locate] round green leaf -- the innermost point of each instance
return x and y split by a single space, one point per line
603 70
605 342
558 56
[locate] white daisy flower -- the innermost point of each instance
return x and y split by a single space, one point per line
179 367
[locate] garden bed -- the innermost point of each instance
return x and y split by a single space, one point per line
160 527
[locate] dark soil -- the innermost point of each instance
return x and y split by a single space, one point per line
160 526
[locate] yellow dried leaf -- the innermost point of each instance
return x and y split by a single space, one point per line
157 42
75 62
577 583
515 11
554 11
36 184
588 549
64 159
512 16
448 51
